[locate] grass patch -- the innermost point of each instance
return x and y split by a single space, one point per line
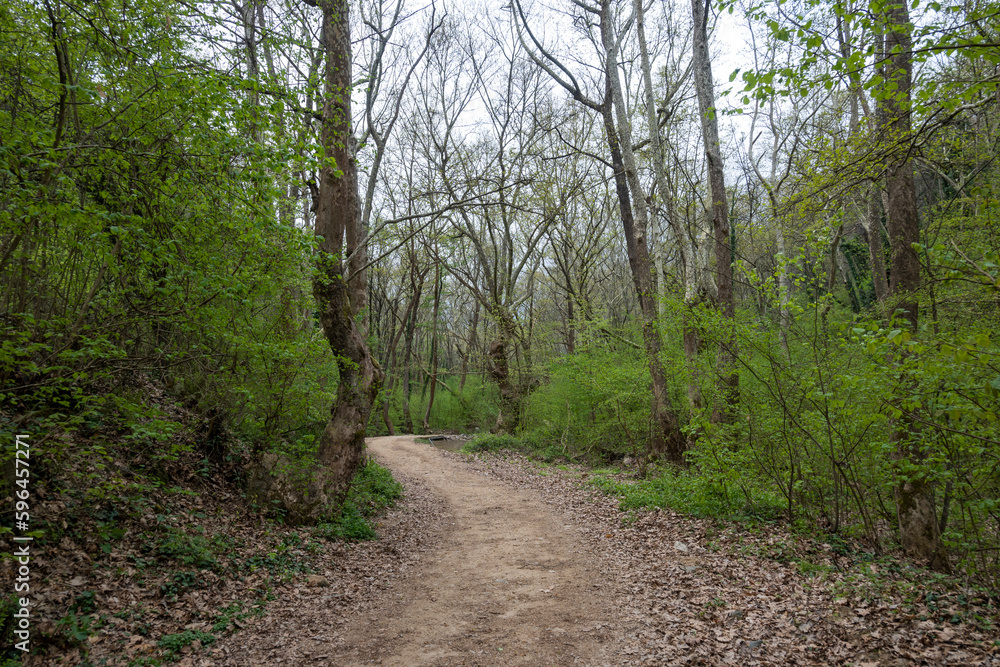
688 492
502 442
373 490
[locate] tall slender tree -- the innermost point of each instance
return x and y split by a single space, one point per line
918 526
729 378
667 439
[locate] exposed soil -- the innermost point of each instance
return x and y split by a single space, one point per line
467 570
510 583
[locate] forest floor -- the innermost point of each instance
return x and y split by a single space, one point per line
497 561
491 559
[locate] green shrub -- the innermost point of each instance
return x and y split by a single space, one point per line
594 405
350 526
193 550
374 489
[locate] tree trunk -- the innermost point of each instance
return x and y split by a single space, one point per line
702 68
356 252
784 286
666 440
696 286
876 253
509 418
416 287
681 237
849 280
831 275
342 444
918 526
871 216
570 325
390 428
469 346
394 373
434 348
248 16
692 348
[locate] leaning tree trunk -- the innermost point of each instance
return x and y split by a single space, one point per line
666 438
341 446
918 525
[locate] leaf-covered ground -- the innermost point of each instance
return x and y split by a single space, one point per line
168 582
200 581
698 592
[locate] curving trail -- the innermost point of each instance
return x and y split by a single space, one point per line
509 583
489 562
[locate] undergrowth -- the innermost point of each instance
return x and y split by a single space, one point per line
373 490
173 538
500 442
689 492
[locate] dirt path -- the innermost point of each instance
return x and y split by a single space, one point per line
509 583
495 561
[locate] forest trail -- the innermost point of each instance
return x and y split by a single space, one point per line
509 583
493 560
